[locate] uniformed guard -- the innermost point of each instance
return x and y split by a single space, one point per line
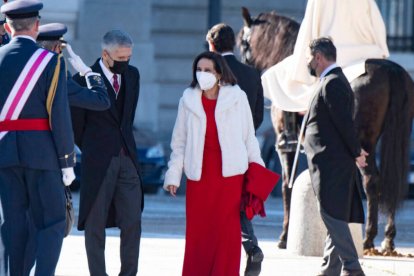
95 96
36 141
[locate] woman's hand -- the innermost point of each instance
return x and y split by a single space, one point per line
172 189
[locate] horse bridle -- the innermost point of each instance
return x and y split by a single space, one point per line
245 45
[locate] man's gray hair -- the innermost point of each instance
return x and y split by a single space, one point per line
21 24
48 44
115 39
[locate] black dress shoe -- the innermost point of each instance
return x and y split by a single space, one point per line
254 262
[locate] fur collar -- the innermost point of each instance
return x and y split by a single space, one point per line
227 98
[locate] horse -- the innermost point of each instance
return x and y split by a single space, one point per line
384 109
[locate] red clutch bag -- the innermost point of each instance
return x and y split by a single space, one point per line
258 184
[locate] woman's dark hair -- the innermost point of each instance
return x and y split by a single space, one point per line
220 65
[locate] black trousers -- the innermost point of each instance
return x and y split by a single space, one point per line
121 188
249 240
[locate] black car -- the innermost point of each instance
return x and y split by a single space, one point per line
151 158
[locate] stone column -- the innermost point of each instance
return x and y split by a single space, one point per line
96 17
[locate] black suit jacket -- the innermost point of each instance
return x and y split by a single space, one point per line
250 82
331 146
100 136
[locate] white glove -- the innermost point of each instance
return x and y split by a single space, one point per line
68 175
77 62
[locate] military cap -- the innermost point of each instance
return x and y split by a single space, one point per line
21 9
52 31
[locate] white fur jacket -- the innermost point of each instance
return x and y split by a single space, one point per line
236 134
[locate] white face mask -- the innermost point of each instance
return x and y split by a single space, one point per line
206 80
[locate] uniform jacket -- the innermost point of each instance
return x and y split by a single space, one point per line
43 150
331 147
95 98
100 136
249 81
237 139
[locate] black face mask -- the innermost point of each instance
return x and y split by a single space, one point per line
311 70
119 67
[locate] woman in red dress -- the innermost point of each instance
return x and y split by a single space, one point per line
213 141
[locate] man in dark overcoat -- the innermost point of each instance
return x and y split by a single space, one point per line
221 39
36 142
111 192
333 152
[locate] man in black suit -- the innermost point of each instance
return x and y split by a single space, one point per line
333 152
36 142
111 192
221 39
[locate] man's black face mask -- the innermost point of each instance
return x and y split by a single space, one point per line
311 70
119 67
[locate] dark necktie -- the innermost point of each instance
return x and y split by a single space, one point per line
115 84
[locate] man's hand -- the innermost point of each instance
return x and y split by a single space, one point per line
68 175
77 62
361 160
172 189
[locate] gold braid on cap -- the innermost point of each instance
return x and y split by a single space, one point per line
52 90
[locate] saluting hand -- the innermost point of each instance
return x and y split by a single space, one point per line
77 62
172 189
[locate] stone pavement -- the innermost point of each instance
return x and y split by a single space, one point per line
162 245
164 255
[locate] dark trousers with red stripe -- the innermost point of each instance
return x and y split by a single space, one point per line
41 194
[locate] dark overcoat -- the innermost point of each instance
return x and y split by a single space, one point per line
331 146
100 136
248 78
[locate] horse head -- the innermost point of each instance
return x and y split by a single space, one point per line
260 36
244 36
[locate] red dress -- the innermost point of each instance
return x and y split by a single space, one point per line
213 234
